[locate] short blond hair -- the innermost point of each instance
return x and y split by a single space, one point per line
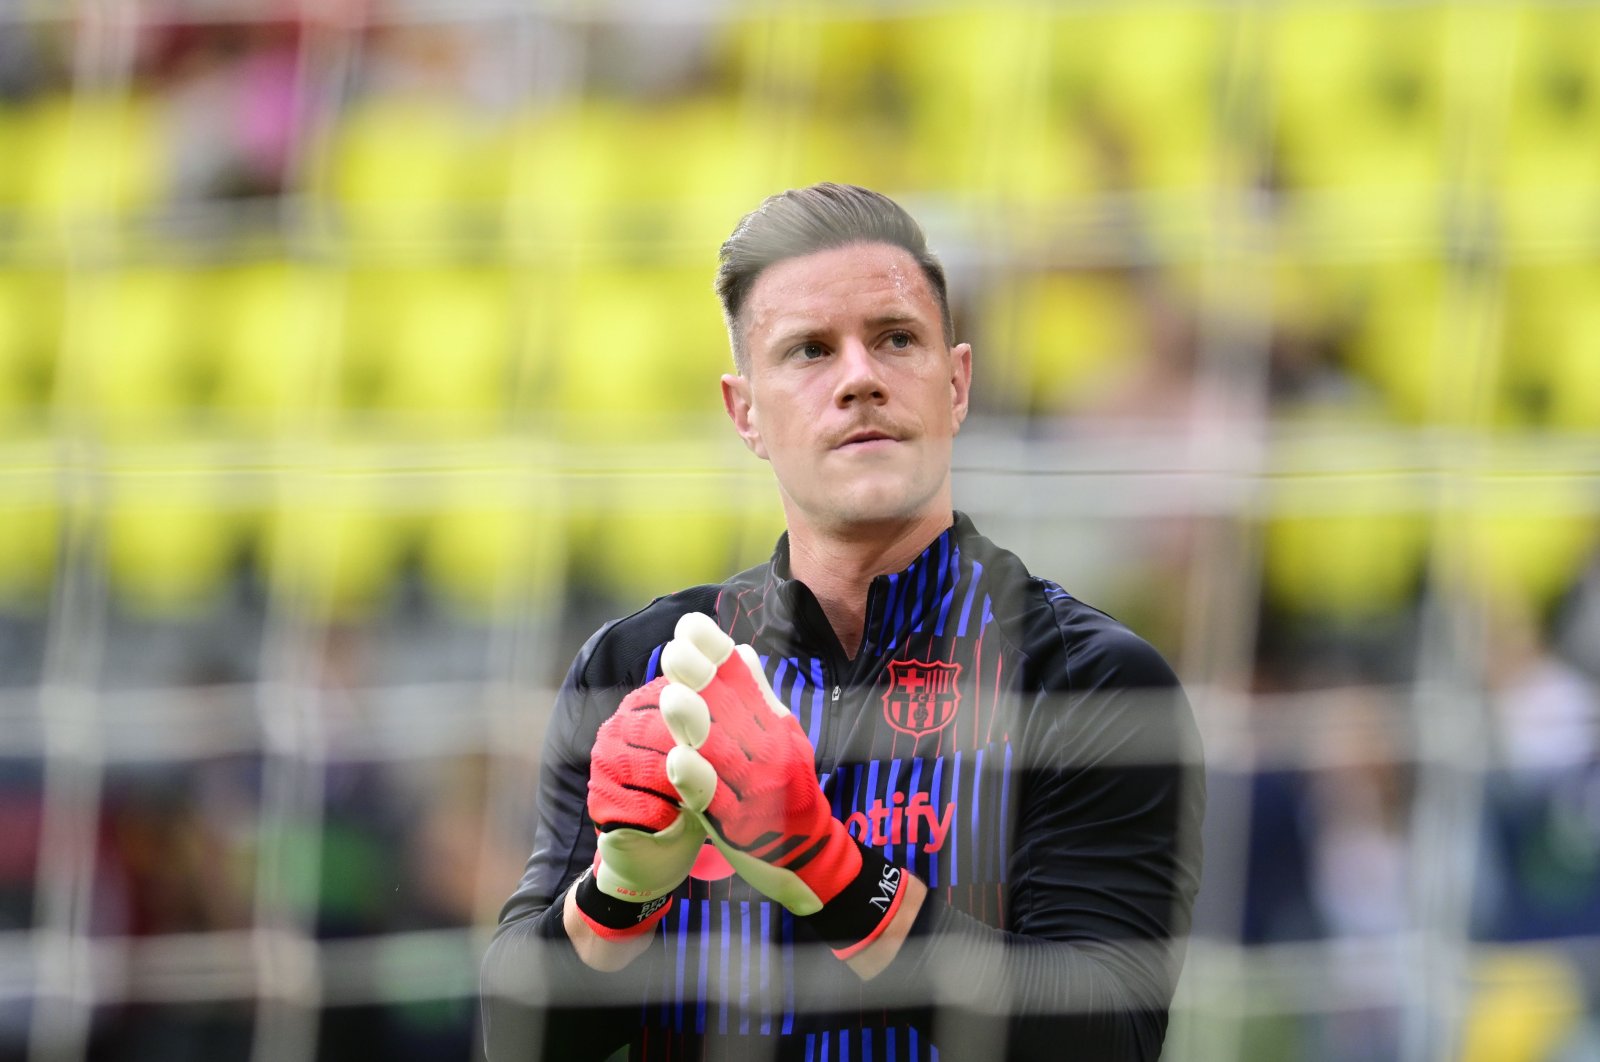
803 221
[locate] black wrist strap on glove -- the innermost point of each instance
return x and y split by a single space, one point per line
854 918
622 916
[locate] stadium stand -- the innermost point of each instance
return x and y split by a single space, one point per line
355 363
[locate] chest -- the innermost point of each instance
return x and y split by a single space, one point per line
916 752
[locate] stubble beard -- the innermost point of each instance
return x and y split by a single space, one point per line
868 503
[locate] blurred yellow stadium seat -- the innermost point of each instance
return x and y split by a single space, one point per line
582 168
410 171
761 518
1055 336
1360 559
1306 296
1479 46
639 349
1355 94
366 335
13 142
697 545
1396 343
339 532
633 353
687 520
30 336
1044 110
817 148
497 537
598 178
1527 1006
1549 165
271 333
1050 167
719 157
539 295
1348 538
921 101
962 75
1552 346
172 535
1048 145
448 359
812 57
86 159
30 527
131 363
1159 79
1520 533
1426 339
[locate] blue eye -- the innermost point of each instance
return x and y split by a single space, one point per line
900 340
810 351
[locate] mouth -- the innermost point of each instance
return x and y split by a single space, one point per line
865 437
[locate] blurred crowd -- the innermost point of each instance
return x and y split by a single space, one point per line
339 354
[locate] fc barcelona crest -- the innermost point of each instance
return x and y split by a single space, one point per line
922 695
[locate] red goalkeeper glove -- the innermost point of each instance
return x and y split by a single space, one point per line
647 843
744 765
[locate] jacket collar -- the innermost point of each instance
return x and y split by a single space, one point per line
898 603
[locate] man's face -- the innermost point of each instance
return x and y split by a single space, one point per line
850 390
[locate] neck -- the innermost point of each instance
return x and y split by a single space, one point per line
838 565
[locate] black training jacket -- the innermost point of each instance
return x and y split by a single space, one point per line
1028 757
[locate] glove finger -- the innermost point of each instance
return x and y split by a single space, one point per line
631 792
635 865
684 663
620 848
692 776
701 630
697 649
752 661
775 882
639 728
684 831
628 783
686 715
612 805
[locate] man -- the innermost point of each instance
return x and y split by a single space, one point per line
931 806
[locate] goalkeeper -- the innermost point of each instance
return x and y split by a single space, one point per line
887 796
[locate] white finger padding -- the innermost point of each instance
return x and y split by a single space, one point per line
692 776
684 663
702 630
686 715
753 661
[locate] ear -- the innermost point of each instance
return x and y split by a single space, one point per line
960 384
741 410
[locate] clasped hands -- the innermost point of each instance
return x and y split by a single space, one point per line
707 751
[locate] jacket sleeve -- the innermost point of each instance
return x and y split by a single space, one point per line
539 999
1104 871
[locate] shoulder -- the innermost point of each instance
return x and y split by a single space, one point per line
621 651
1090 648
1101 693
1069 643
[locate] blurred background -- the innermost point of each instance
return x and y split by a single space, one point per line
358 358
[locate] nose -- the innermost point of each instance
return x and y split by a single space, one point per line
860 376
